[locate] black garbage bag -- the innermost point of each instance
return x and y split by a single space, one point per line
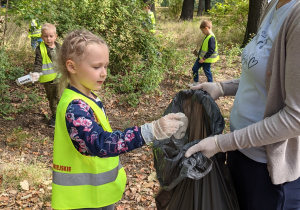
194 183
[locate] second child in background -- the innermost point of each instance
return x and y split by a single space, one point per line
207 55
150 22
34 33
45 54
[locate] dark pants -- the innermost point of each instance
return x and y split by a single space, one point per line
35 41
254 188
206 69
52 95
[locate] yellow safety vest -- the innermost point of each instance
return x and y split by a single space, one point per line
215 56
49 73
81 181
152 19
34 30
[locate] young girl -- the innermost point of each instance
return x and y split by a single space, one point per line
87 172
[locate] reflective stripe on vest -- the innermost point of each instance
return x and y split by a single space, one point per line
36 31
48 72
86 178
81 181
204 49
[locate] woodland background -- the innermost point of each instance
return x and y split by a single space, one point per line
145 73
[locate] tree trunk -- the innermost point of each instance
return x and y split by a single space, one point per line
256 8
207 5
5 24
187 11
200 8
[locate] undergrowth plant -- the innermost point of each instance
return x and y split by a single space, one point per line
230 20
137 63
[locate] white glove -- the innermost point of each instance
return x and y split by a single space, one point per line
208 146
182 129
165 127
35 76
214 89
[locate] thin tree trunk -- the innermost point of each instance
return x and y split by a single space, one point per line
207 5
187 11
200 8
5 24
256 9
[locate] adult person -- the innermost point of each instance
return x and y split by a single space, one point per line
265 118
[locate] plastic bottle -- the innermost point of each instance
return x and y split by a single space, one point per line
31 77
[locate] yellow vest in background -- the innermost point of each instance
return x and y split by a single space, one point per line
49 73
81 181
215 56
34 30
152 19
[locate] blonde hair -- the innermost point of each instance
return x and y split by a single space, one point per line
48 26
73 48
206 23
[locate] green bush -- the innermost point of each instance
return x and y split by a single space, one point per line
230 20
8 74
175 7
136 63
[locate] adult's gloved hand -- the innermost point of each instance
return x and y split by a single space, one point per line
214 89
165 127
208 146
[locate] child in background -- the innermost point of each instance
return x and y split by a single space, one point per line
150 19
45 54
208 53
87 172
34 33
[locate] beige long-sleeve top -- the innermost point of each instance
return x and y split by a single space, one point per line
280 128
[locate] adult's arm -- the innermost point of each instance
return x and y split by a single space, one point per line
284 123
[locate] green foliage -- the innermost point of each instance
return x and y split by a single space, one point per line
20 99
233 54
7 72
135 66
230 20
175 7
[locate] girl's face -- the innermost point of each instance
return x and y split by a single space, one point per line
89 72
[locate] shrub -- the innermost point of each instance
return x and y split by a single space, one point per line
230 20
8 74
135 60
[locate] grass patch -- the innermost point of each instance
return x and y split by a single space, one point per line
16 172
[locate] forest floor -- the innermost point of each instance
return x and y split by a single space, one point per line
26 141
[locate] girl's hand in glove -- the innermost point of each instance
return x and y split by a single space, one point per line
214 89
208 146
165 127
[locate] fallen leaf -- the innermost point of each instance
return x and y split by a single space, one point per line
152 177
147 185
24 185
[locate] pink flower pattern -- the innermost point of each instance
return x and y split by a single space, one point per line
89 138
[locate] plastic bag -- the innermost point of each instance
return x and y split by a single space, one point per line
194 183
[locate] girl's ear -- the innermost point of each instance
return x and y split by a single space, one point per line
70 66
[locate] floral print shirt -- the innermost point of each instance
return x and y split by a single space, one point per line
90 139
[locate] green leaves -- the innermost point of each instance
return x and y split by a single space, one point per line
133 49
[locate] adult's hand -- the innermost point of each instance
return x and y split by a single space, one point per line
208 146
214 89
